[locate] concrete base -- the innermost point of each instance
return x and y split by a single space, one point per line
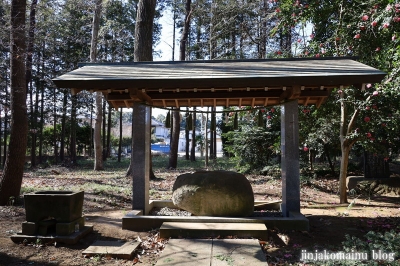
134 222
213 230
112 249
70 239
65 229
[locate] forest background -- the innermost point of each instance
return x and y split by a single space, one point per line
353 121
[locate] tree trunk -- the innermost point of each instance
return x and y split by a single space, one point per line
55 127
11 179
41 110
28 77
73 130
120 136
5 129
91 132
144 31
98 149
32 124
343 172
64 117
108 153
206 139
328 156
185 31
212 137
193 148
104 131
187 144
345 147
173 153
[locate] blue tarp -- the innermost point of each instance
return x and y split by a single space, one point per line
160 147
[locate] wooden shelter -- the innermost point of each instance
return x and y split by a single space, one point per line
285 82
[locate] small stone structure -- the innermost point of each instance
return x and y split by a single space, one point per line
58 212
214 193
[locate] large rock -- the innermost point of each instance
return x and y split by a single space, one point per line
214 193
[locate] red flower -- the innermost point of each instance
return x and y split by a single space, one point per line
357 36
365 18
367 119
374 23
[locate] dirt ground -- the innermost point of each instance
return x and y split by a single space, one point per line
329 221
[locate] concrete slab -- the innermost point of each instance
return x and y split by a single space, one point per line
198 230
114 249
229 252
186 252
71 239
135 221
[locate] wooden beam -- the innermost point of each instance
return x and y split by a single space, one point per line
295 92
139 94
114 105
315 93
216 95
320 101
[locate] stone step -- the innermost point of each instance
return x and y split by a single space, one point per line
213 230
112 249
216 252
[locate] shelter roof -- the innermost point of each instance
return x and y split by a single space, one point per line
219 83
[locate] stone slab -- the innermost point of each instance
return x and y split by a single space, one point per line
114 249
186 252
227 252
352 181
215 252
295 221
70 240
193 230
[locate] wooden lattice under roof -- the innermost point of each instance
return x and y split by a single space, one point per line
219 83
